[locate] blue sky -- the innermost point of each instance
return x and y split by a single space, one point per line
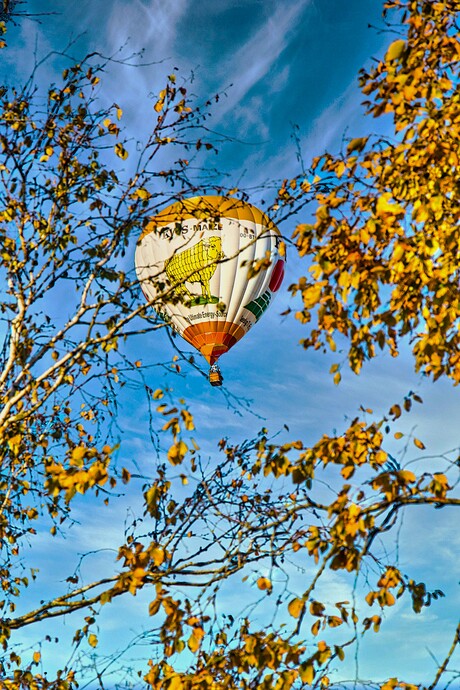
281 64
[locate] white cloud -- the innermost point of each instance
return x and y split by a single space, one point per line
253 60
149 25
23 54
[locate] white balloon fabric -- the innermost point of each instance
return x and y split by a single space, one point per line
200 250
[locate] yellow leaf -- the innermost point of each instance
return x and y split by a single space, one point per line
395 50
390 685
154 607
340 653
340 168
347 471
79 453
331 343
188 420
92 640
195 638
158 555
317 608
436 202
307 673
13 443
395 410
295 607
177 453
385 207
36 657
315 627
121 151
407 476
389 598
370 598
357 144
334 621
419 444
311 295
142 193
264 583
398 252
324 652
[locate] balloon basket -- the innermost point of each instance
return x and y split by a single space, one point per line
215 376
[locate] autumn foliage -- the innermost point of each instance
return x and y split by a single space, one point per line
384 246
381 261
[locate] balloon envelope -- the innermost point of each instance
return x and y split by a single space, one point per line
201 250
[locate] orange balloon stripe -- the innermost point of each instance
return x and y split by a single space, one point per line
205 207
213 338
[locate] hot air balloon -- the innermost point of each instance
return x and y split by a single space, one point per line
197 254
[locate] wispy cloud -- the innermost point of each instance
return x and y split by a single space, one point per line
253 60
21 57
150 26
